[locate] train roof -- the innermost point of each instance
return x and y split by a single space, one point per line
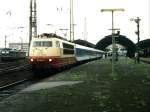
51 35
78 43
84 43
88 48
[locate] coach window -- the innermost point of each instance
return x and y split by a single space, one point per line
57 44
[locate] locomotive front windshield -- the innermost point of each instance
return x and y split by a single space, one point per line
42 44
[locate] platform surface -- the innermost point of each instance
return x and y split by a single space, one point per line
90 87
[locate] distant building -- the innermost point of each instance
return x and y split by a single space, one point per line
119 48
20 46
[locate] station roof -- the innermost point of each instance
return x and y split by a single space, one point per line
144 44
120 39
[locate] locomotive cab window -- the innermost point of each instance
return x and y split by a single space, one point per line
47 44
42 44
36 44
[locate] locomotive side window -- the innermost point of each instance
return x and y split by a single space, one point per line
68 46
68 49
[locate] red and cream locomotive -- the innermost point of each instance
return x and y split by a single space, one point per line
52 51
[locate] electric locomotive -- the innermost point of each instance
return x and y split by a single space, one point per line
50 50
54 52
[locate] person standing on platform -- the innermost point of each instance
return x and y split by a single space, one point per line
135 57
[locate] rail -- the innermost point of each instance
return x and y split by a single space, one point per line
14 68
12 84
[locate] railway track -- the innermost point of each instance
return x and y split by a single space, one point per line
14 68
14 75
13 87
12 84
19 78
12 64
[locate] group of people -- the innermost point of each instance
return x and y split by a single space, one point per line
115 58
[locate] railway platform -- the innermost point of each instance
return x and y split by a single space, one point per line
90 87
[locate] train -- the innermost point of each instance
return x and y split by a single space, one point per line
54 52
8 54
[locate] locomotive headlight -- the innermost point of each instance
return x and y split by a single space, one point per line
50 60
31 60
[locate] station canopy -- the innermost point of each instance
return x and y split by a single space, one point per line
119 39
144 44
